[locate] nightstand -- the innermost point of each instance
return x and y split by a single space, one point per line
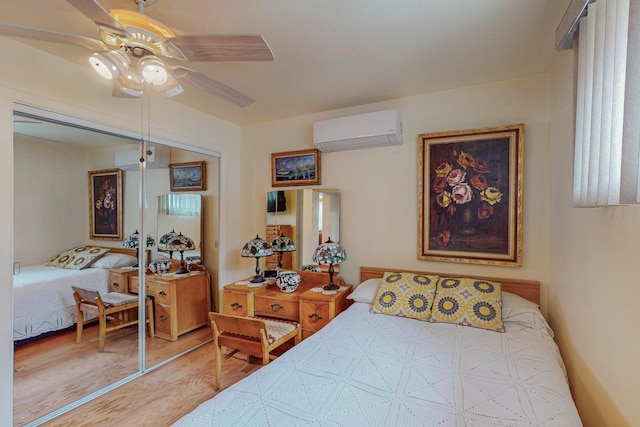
181 301
318 309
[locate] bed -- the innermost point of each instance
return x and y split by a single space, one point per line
373 369
42 296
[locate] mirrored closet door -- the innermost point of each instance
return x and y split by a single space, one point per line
74 188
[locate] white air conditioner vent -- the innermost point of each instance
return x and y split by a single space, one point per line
377 129
159 158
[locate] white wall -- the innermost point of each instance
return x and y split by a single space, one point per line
379 186
69 88
593 280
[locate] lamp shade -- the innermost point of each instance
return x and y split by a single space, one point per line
166 238
180 243
133 240
329 253
256 248
283 244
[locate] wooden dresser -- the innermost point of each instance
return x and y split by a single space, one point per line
312 310
119 279
181 301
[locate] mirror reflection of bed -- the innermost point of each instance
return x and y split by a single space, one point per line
50 215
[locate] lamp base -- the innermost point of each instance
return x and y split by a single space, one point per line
257 279
331 287
182 270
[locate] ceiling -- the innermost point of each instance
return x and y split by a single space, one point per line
332 54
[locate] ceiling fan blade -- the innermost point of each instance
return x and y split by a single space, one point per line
98 14
222 47
214 87
14 30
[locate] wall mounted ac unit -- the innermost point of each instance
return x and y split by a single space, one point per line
377 129
159 158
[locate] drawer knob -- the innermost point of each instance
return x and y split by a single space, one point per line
235 306
162 293
163 317
314 317
277 307
115 285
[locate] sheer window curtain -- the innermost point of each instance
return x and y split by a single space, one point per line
606 41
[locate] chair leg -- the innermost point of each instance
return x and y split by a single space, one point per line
150 317
219 356
103 331
79 325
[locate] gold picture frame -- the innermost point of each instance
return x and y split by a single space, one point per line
292 168
470 195
105 204
190 176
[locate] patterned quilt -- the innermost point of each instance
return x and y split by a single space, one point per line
367 369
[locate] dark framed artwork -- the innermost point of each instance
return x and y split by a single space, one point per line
295 168
105 204
191 176
470 194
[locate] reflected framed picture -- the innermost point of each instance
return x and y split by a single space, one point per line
105 204
470 195
191 176
295 168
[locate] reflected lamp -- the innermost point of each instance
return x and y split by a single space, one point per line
180 243
330 253
132 241
257 248
163 242
282 244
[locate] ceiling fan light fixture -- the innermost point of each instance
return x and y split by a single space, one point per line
103 66
125 86
153 71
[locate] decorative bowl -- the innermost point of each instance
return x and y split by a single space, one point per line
160 266
288 281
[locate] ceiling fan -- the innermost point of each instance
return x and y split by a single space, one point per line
134 49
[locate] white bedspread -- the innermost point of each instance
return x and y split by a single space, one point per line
43 299
368 369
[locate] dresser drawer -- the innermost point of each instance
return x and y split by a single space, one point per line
162 317
237 303
315 315
161 290
134 286
272 307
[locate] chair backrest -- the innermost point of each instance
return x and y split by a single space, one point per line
236 325
87 295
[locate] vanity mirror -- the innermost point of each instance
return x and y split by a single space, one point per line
181 213
308 216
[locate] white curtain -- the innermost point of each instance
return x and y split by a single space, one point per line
607 154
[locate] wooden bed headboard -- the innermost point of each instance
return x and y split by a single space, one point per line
132 252
528 289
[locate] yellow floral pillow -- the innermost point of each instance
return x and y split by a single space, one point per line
406 295
468 302
84 258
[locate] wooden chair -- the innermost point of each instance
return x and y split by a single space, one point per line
251 336
111 309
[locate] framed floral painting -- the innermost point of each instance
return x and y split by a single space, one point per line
105 204
470 194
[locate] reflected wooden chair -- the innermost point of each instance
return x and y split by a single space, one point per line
112 310
251 336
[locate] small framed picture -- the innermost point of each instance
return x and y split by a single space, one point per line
105 204
295 168
190 176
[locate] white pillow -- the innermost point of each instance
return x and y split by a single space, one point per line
366 291
513 304
114 260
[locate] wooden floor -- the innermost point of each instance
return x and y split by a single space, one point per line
157 398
